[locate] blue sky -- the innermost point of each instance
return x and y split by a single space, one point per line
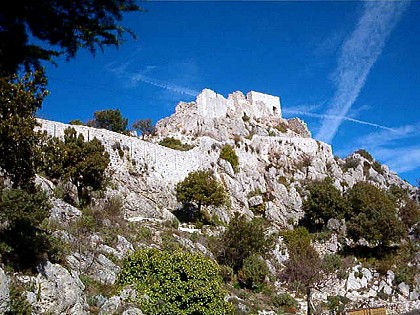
349 69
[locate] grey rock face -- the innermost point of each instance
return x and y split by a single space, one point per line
63 212
132 311
4 292
58 291
111 306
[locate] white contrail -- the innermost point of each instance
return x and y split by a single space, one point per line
165 85
358 54
325 116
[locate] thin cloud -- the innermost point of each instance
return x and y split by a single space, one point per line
395 135
393 147
358 54
325 116
135 78
401 160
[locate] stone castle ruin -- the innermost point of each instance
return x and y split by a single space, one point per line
254 104
221 118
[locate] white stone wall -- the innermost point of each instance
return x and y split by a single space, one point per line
257 105
170 165
264 105
211 105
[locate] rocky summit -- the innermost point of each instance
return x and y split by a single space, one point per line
274 161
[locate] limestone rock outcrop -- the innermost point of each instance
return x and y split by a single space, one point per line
275 156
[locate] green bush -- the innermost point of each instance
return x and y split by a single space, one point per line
282 127
324 202
23 243
76 122
373 216
365 154
332 263
117 147
410 213
377 167
228 153
253 273
174 283
349 163
175 144
20 98
18 303
285 303
337 303
243 238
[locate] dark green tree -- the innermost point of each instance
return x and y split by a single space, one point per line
202 189
324 201
242 239
20 98
110 119
80 162
22 242
145 126
410 213
374 216
65 26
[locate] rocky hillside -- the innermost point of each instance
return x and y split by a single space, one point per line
265 164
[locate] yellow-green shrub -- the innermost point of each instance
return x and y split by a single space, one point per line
175 283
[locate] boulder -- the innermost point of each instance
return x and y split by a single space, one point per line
58 291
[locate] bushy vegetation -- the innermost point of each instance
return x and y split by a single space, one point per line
337 304
253 273
303 268
365 154
145 126
110 119
228 153
20 98
18 303
242 239
174 283
285 303
81 162
349 163
76 122
370 212
324 201
373 216
282 127
23 243
175 144
202 189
